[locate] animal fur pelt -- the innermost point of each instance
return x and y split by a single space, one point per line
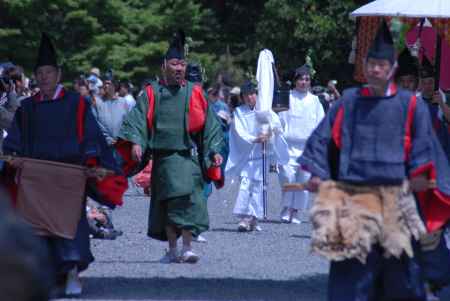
349 219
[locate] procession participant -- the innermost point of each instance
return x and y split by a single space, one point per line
436 255
58 125
304 114
173 121
194 75
407 74
436 102
365 218
246 161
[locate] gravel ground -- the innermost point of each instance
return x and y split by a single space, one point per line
274 264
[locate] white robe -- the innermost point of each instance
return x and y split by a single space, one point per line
304 114
245 159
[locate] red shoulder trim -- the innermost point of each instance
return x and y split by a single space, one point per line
80 119
151 106
337 127
408 127
198 106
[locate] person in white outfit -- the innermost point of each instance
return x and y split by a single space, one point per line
245 158
304 114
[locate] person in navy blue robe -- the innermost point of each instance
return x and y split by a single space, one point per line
58 125
437 104
436 255
373 139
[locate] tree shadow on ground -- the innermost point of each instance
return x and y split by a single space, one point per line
119 288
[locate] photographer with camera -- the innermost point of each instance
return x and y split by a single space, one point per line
12 91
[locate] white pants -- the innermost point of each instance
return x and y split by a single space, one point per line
292 173
249 201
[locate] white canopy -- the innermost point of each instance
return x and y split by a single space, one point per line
405 8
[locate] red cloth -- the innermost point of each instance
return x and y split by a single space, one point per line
124 149
112 188
428 45
434 204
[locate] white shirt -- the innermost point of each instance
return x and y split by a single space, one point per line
110 114
130 100
304 115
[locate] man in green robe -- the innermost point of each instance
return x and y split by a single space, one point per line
173 122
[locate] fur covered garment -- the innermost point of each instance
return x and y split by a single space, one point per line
349 219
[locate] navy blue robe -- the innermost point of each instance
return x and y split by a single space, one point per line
441 127
379 141
62 130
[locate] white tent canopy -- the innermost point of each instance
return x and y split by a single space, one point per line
405 8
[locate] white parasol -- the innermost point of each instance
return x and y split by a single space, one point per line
405 8
265 79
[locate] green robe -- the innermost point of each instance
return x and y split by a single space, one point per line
181 155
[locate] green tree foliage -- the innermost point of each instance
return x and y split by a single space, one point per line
131 36
290 29
319 27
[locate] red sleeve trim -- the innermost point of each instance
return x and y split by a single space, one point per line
92 162
198 106
80 119
124 149
434 204
151 106
408 127
425 168
337 127
112 188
